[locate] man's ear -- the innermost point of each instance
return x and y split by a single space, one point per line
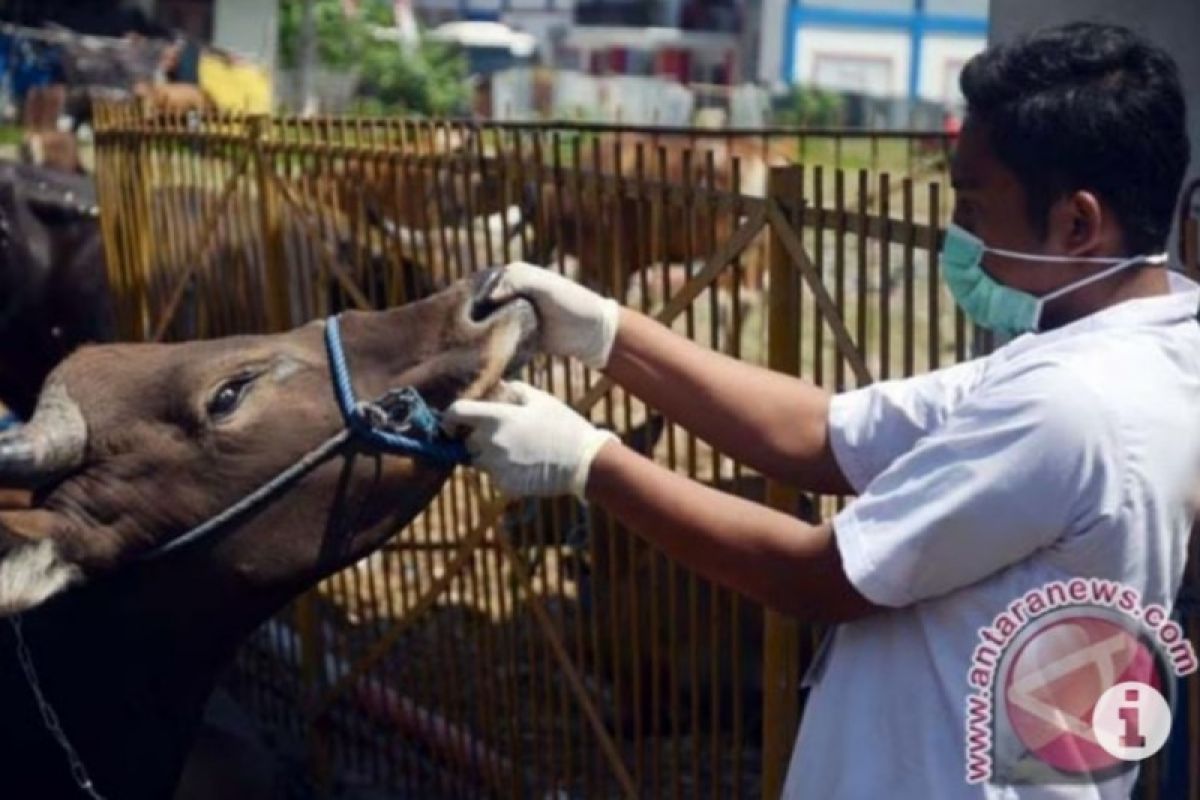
33 567
1078 226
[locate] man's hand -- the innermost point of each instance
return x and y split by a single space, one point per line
776 424
575 321
538 447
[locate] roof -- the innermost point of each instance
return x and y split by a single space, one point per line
485 34
651 38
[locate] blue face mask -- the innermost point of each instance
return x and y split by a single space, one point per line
1001 308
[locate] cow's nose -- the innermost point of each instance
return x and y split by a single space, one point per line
482 302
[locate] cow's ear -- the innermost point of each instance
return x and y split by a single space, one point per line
32 565
33 524
13 499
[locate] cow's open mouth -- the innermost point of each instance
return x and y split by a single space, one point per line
483 303
513 332
521 317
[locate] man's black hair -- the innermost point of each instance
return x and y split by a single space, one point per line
1088 107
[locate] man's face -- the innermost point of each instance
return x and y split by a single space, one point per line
990 202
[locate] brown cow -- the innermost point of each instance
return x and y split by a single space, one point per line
615 237
43 144
427 187
133 445
434 206
606 239
172 98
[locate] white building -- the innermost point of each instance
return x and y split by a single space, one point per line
911 49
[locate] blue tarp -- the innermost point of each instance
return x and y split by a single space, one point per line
28 63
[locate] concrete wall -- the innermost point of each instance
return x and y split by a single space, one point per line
1172 24
772 31
942 59
247 27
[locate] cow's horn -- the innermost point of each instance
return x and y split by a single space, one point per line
52 444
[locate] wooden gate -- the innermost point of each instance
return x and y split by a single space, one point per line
533 648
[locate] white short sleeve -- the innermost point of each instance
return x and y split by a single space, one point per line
1017 466
871 427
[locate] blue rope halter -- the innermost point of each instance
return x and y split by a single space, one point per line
400 422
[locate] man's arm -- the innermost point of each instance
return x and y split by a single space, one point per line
773 558
777 424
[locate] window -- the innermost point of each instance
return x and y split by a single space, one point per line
958 8
869 6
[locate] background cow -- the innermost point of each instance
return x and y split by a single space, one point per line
53 285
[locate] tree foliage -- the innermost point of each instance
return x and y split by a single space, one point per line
807 106
430 78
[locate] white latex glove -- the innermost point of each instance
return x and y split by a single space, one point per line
575 321
538 447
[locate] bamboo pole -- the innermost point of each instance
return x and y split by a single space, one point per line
278 296
271 229
781 636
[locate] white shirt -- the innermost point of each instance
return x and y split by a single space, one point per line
1063 454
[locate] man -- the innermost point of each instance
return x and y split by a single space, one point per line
1069 452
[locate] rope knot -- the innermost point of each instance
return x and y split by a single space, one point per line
398 422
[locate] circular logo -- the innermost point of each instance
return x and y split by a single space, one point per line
1055 684
1132 721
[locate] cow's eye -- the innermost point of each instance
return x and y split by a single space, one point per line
229 396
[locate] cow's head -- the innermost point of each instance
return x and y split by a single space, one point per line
132 445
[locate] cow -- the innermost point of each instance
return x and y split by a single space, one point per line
42 142
650 232
442 205
427 187
638 245
172 98
454 249
53 285
445 185
133 445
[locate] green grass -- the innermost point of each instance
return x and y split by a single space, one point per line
10 135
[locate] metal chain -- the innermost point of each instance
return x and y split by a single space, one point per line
49 717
